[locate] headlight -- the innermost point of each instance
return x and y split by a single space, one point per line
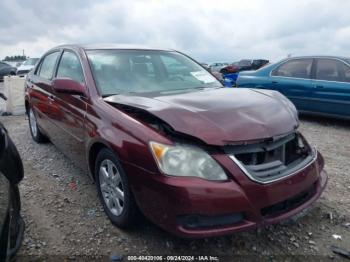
189 161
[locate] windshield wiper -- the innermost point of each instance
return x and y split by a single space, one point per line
207 87
108 95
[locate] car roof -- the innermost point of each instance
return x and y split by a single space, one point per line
319 56
111 46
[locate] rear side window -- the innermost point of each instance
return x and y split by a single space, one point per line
346 71
298 68
70 67
48 65
328 69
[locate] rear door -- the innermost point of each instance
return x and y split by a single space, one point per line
331 87
293 79
68 111
40 91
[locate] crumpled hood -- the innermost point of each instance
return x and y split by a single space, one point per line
219 116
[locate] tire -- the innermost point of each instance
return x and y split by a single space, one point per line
114 190
37 135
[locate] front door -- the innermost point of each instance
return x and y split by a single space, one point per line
68 111
293 79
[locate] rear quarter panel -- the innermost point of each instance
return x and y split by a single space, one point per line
256 79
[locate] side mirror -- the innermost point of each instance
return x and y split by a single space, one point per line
68 86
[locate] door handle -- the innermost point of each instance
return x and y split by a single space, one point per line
274 82
319 86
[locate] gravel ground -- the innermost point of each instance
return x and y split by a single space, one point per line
65 219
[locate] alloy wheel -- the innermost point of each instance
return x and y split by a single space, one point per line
33 125
111 187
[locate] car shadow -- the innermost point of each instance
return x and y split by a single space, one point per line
325 120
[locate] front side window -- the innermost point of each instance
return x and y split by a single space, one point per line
142 71
48 65
328 69
30 61
298 68
70 67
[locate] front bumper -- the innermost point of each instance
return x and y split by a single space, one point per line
196 208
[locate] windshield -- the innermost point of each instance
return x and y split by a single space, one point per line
142 71
30 61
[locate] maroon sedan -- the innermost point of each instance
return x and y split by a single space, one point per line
159 134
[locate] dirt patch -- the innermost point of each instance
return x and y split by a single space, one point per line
64 217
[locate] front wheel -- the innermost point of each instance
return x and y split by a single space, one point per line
113 189
34 129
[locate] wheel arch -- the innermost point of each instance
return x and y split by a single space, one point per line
93 151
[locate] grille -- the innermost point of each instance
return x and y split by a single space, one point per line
207 222
289 204
272 159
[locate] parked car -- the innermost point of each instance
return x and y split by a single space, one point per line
229 80
216 67
11 173
26 66
315 84
15 64
205 65
5 70
231 68
244 65
197 159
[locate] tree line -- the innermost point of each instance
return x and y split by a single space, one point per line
15 58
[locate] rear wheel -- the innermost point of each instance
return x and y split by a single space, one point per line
37 135
113 189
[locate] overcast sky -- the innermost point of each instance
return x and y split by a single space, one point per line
206 30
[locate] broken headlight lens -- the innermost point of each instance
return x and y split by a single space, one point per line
188 161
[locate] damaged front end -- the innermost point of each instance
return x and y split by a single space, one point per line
159 125
223 185
263 160
273 159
